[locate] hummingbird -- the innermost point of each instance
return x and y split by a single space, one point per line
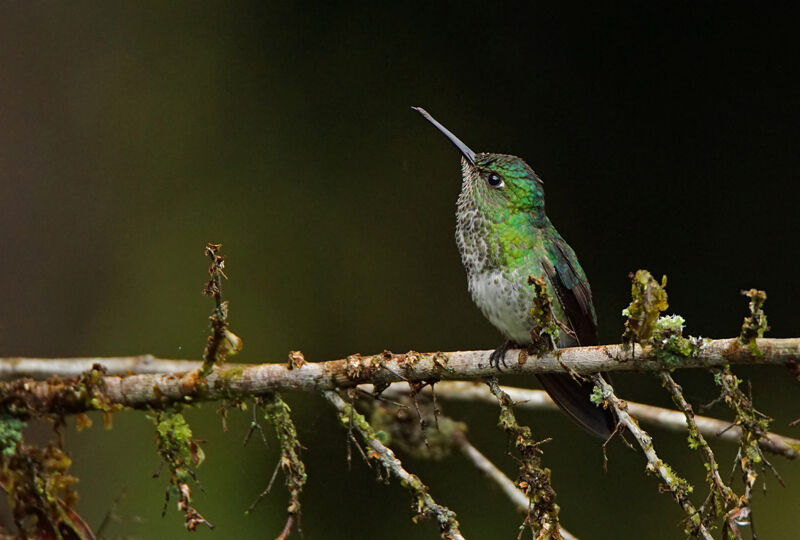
504 236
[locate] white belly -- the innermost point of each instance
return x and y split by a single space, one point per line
506 302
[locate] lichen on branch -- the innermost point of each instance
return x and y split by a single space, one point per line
222 342
424 506
673 484
40 488
161 388
278 413
721 498
182 455
533 479
663 336
755 324
648 300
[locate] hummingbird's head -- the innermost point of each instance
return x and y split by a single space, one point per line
503 182
498 183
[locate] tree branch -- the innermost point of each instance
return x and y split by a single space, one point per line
721 497
158 390
673 484
542 517
506 485
425 505
526 398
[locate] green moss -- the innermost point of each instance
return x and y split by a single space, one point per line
533 479
680 484
278 413
181 453
41 492
694 442
646 326
597 396
175 444
669 344
649 299
10 434
230 374
89 387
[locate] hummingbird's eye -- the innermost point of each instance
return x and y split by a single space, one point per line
495 180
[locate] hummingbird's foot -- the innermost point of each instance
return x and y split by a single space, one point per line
499 355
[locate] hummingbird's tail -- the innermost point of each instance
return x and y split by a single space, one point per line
573 398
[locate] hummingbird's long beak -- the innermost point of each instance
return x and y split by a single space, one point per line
463 148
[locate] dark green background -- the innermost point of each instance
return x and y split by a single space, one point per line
667 136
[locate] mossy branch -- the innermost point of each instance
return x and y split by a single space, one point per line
665 334
533 479
182 455
721 498
278 413
754 426
424 505
673 484
222 341
650 343
29 397
518 497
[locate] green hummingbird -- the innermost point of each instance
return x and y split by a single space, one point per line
504 236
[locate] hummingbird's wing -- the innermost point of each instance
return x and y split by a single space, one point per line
572 291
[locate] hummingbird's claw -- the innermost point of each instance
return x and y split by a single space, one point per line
499 355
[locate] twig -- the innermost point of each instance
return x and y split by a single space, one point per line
525 398
44 368
534 479
277 412
255 426
158 390
509 489
266 490
424 505
482 463
111 514
674 485
721 497
215 351
287 528
754 425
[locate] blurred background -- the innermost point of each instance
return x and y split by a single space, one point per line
132 135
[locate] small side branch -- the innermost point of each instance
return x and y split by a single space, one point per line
222 341
277 412
673 484
483 464
424 505
721 497
526 398
533 479
509 489
754 425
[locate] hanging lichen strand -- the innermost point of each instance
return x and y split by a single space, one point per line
533 479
